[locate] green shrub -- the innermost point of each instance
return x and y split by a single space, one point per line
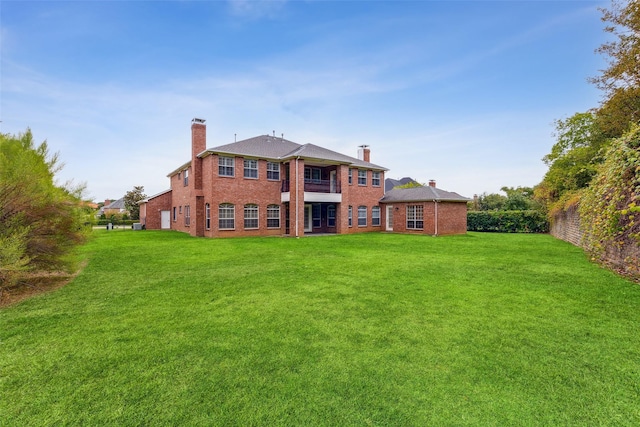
508 221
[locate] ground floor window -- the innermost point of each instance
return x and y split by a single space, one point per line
331 216
375 215
350 216
226 216
250 216
317 216
175 214
362 216
415 217
273 216
187 215
207 216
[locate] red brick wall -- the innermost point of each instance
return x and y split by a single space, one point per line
355 195
452 218
150 211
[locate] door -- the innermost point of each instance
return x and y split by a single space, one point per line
334 181
389 218
165 224
307 218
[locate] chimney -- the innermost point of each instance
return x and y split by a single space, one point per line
432 183
364 153
198 145
107 202
198 137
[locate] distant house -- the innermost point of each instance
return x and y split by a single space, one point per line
390 183
425 210
114 208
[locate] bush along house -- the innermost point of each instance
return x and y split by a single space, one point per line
266 186
269 186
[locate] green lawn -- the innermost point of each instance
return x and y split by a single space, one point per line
372 329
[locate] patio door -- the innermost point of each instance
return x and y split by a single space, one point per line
308 218
389 218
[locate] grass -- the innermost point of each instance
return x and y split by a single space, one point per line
371 329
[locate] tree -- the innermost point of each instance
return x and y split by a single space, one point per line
131 200
410 184
40 222
623 53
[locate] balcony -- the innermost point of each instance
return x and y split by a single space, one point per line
315 190
315 186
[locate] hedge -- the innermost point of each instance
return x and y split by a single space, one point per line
508 221
116 221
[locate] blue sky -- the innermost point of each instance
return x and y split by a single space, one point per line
463 92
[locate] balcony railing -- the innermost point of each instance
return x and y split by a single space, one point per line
315 186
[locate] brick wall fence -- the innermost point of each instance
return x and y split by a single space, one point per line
625 260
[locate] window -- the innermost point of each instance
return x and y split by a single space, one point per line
350 216
226 215
180 210
175 214
350 176
316 210
312 174
362 216
273 171
375 215
225 166
375 179
415 217
273 216
251 216
207 216
186 177
362 177
250 168
187 215
331 216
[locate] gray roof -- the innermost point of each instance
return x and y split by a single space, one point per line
118 204
421 194
274 148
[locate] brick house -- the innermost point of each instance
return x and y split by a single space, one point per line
424 210
268 186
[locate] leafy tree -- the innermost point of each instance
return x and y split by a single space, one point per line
491 202
131 200
40 222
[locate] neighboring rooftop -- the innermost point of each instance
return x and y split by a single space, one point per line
390 183
426 193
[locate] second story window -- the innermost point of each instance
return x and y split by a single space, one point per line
251 168
186 177
362 177
225 166
350 176
273 171
375 179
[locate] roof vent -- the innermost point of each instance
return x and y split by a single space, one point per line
199 121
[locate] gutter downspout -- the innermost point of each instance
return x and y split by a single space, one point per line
435 202
297 201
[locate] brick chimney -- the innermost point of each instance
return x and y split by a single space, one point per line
364 153
432 183
198 145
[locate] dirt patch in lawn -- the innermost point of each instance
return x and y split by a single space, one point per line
34 284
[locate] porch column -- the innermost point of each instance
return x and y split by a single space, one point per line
296 200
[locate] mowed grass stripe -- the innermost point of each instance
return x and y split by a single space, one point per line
370 329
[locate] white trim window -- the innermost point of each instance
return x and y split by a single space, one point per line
273 171
316 215
273 216
207 216
225 166
415 217
187 215
250 168
362 216
350 216
350 176
250 216
331 216
362 177
226 216
186 177
375 179
375 216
